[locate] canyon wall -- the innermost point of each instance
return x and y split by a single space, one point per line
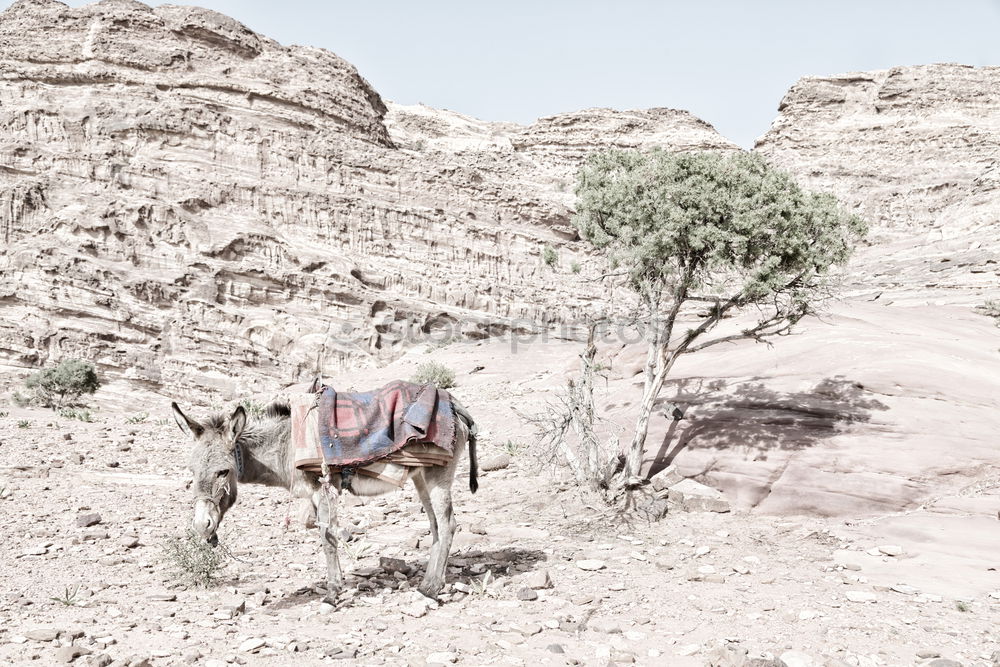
193 205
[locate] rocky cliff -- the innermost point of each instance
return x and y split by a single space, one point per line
917 151
193 205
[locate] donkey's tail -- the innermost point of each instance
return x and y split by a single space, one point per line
464 415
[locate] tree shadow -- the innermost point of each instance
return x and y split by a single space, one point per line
756 419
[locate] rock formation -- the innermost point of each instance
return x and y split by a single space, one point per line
191 204
917 151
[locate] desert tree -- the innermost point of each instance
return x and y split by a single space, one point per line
63 384
724 232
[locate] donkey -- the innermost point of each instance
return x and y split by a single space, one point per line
230 450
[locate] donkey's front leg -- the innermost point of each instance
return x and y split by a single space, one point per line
326 521
439 490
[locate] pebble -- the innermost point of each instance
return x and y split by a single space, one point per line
590 565
606 625
860 596
70 653
415 609
904 589
797 659
42 634
538 579
555 648
441 658
527 594
926 654
943 662
688 649
251 645
891 549
495 462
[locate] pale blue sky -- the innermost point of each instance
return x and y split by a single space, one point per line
728 62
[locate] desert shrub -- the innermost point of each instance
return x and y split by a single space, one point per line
137 418
4 413
252 407
435 373
991 309
550 257
575 266
62 385
193 560
24 423
80 414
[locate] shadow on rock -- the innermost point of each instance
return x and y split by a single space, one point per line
751 417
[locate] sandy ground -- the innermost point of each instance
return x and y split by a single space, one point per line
692 589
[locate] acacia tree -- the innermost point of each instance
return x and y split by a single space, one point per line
723 229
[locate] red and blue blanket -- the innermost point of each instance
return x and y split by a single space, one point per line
354 429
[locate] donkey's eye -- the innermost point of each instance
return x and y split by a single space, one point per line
222 473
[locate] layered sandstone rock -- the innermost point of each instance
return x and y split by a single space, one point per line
917 151
191 204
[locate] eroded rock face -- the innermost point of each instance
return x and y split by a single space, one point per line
917 151
193 205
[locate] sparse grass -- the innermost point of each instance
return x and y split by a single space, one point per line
4 414
69 596
435 373
253 408
513 448
80 414
194 560
961 606
990 309
19 399
137 418
24 423
550 257
483 586
575 267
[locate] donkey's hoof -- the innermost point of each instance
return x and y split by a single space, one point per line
332 598
430 590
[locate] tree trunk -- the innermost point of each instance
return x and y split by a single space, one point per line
649 395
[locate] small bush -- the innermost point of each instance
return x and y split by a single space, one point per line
64 384
24 423
252 407
70 596
194 560
137 418
550 257
575 266
435 373
20 400
81 414
4 414
991 309
961 606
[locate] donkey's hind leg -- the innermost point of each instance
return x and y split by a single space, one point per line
425 499
326 521
438 480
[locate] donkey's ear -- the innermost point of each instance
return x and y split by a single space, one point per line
192 428
237 422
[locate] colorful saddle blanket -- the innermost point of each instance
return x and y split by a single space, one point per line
352 430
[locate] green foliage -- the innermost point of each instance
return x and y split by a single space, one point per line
193 559
24 423
550 257
575 267
435 373
4 414
137 418
961 606
513 448
991 309
695 220
66 383
81 414
69 597
20 400
252 407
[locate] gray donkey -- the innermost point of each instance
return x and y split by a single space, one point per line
230 450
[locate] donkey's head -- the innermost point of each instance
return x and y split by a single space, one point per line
213 463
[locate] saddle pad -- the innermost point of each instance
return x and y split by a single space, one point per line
404 423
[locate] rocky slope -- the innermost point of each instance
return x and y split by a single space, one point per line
193 205
917 151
